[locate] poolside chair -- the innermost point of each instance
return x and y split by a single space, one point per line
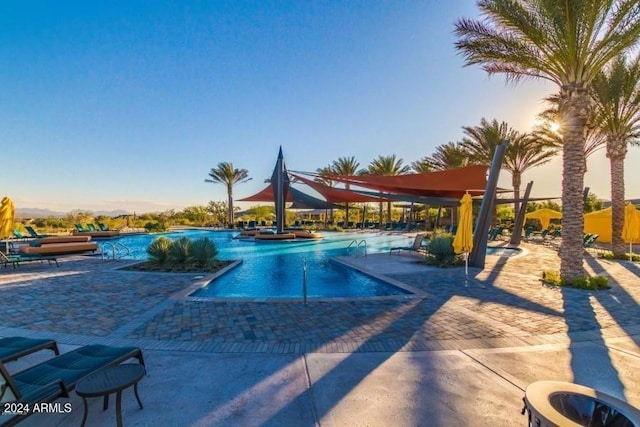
80 228
527 232
91 227
56 377
103 227
15 260
415 247
33 233
19 235
13 348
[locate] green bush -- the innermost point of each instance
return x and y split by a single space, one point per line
159 249
180 250
441 250
611 255
595 283
152 227
204 252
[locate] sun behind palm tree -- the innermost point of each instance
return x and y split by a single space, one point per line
567 43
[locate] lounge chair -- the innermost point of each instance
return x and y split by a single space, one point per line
415 247
103 227
56 377
19 235
81 229
33 233
92 227
15 260
13 348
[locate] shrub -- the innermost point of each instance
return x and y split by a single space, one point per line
158 250
204 252
180 250
441 250
154 227
611 255
595 283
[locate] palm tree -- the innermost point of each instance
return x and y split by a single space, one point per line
227 175
447 156
346 166
421 166
324 177
567 43
616 95
387 166
523 152
594 140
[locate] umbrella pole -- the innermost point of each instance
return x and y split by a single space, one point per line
466 268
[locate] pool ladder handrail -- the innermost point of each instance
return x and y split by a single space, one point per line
355 246
116 248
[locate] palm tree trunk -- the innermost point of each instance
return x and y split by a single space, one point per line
381 223
516 180
616 151
574 109
230 201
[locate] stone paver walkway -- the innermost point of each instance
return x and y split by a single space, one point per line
504 305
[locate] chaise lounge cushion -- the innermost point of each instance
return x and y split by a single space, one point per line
59 248
70 367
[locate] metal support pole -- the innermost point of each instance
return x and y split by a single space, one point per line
479 252
304 281
516 234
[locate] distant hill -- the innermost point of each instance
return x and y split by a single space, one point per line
44 213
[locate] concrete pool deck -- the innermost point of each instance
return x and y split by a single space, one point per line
461 354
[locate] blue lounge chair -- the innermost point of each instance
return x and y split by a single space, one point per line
19 235
81 229
415 247
56 377
13 348
15 260
33 233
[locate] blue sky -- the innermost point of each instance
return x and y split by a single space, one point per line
128 105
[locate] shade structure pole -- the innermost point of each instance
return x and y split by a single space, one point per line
516 235
279 193
480 237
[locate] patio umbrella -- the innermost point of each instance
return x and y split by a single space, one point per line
7 212
463 242
545 216
631 228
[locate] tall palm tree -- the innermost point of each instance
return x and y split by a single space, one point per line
447 156
616 95
226 174
324 177
594 140
346 166
421 166
565 42
387 166
523 152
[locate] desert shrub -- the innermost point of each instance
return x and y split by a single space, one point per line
203 252
441 250
611 255
180 250
153 226
158 250
595 283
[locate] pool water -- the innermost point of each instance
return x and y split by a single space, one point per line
503 251
276 269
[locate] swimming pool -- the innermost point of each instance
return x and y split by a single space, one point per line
275 269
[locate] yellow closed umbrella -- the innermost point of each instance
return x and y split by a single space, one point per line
463 241
7 212
631 228
545 216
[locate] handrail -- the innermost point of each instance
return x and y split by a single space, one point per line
304 281
116 248
363 243
355 246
